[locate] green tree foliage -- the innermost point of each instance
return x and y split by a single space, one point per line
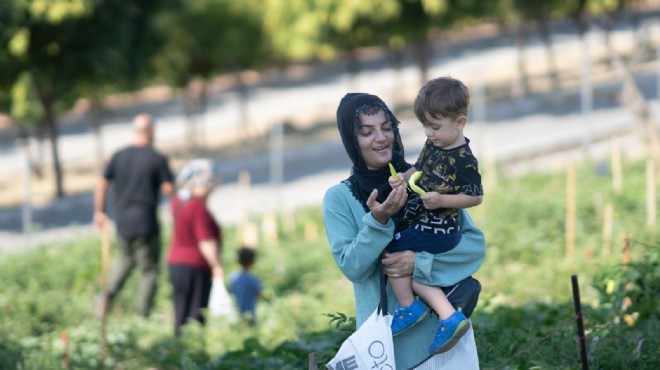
36 47
206 38
419 20
69 47
295 29
9 15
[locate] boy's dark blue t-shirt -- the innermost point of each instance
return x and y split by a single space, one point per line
246 288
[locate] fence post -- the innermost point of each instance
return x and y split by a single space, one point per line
313 360
626 250
608 217
571 184
580 323
650 193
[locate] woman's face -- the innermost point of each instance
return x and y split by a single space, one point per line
376 139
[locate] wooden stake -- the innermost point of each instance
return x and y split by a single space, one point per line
244 189
626 250
617 167
650 194
64 340
313 361
570 208
311 231
607 229
490 170
580 323
105 258
269 228
289 221
243 204
249 235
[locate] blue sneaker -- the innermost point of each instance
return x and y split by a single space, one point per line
406 317
449 332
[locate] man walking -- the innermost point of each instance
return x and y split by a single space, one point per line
138 175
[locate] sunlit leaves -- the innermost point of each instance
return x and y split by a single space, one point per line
603 6
19 44
25 107
435 7
56 11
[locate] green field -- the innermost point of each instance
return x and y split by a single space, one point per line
525 318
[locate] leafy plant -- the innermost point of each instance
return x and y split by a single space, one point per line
525 317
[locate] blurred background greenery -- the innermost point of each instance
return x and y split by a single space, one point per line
525 318
56 54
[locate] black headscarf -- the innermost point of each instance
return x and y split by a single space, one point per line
363 180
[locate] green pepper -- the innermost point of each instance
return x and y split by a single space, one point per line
393 172
415 176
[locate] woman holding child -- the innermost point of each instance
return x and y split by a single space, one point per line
360 216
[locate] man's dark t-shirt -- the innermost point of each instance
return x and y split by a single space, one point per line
137 174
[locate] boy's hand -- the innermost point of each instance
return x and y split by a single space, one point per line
432 200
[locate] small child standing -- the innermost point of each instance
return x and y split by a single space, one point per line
431 222
245 286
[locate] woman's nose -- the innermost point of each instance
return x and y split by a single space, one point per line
380 135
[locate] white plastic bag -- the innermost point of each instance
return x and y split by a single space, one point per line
220 303
370 347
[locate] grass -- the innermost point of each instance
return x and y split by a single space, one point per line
525 317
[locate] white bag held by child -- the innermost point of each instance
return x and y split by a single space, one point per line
370 347
220 303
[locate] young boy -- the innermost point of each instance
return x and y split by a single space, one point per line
431 222
245 286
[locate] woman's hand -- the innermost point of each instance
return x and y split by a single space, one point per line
399 264
390 206
395 182
217 273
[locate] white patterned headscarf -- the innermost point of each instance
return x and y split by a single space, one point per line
197 172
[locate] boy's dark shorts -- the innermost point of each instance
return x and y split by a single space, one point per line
411 239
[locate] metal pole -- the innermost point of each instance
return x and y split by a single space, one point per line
27 208
657 62
277 161
580 323
586 91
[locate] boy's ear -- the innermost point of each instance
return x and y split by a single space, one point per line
461 121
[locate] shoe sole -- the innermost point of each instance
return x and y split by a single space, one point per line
426 312
458 334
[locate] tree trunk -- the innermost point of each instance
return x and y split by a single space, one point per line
353 68
47 99
243 92
633 98
553 74
422 52
202 103
96 113
38 161
520 85
396 58
189 113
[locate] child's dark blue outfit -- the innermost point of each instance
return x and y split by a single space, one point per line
453 171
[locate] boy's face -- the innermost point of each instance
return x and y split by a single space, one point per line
445 133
